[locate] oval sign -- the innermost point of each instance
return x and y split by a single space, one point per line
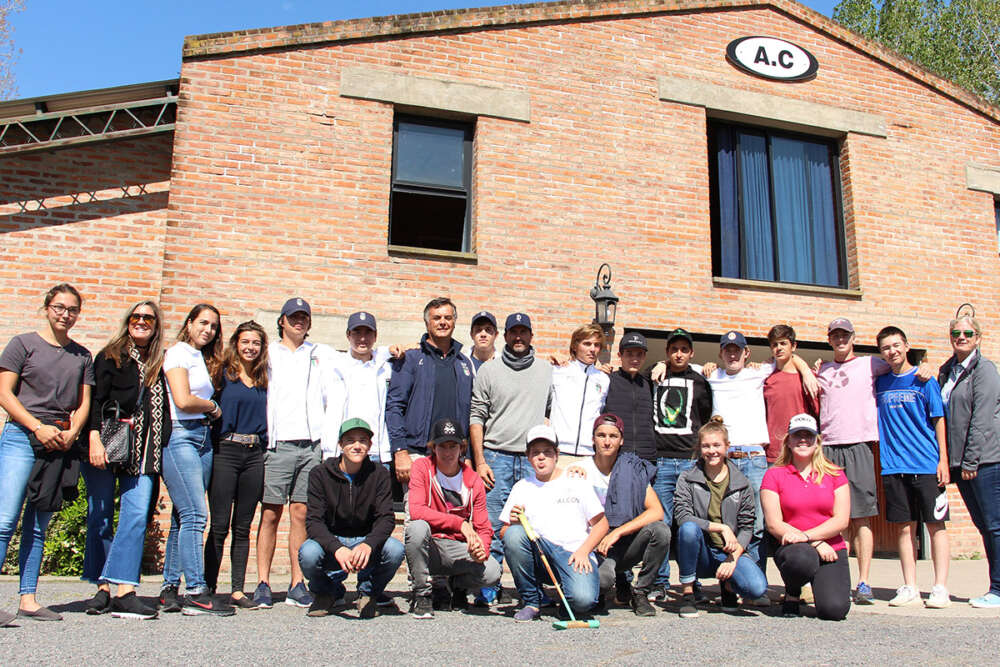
772 58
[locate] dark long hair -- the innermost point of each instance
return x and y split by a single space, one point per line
231 363
117 348
212 352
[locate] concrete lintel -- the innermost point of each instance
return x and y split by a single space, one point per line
983 179
428 93
736 104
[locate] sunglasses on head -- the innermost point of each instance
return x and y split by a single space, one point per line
135 318
955 333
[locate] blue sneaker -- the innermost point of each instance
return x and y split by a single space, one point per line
863 594
525 614
262 597
988 601
298 596
485 597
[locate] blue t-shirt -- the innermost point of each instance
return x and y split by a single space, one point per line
244 409
907 442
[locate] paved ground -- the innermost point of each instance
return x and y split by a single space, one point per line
958 635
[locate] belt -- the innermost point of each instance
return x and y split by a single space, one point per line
740 453
247 440
299 443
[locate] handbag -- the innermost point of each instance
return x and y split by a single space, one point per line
118 433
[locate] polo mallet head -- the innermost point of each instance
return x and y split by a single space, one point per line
558 625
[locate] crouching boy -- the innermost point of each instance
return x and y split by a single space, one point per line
569 520
449 530
349 522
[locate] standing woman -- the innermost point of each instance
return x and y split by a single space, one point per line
970 389
187 458
45 384
807 504
129 373
238 465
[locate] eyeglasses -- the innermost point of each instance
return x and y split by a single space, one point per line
955 333
135 318
60 309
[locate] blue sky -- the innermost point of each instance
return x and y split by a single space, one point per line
73 45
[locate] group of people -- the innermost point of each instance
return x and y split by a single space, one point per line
500 455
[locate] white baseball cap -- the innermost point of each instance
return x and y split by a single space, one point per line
541 432
802 422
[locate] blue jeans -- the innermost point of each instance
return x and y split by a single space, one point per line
100 519
326 577
581 589
124 561
697 557
508 469
187 468
668 471
16 460
982 498
754 468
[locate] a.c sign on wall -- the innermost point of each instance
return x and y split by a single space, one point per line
772 58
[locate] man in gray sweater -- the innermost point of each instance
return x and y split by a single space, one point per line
510 394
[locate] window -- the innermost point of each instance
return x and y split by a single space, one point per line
431 184
775 207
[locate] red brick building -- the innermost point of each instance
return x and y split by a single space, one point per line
500 155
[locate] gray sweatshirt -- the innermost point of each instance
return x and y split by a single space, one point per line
507 402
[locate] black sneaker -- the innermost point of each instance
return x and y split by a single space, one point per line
459 599
99 604
640 604
422 607
169 601
790 609
367 607
321 605
657 593
130 606
688 608
623 592
441 599
242 602
204 603
729 600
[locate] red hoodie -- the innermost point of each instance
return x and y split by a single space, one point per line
427 503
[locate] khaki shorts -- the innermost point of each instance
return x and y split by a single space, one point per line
286 471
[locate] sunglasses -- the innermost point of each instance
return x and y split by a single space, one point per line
955 333
135 318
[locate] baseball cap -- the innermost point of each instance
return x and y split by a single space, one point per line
517 320
361 319
840 323
296 305
352 423
484 315
610 418
733 338
446 430
633 339
679 333
802 422
541 432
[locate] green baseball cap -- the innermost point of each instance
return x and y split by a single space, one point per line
353 423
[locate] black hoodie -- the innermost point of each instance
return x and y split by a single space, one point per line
339 507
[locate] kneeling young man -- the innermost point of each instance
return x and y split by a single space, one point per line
567 516
449 530
621 481
349 522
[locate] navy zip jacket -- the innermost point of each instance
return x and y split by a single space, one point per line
626 499
410 399
631 398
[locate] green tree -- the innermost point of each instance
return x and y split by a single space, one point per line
956 39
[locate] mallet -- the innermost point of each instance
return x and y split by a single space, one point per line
558 625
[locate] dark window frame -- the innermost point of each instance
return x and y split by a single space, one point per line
768 134
409 187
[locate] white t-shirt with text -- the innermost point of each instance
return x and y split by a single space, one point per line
559 510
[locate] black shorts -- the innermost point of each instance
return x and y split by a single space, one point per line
914 498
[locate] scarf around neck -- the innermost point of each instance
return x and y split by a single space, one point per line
517 363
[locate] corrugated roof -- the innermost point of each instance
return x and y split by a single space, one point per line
101 97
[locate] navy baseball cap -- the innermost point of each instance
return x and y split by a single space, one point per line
679 333
484 315
633 339
361 319
733 338
446 430
296 305
517 320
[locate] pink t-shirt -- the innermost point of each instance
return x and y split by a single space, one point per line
847 413
805 505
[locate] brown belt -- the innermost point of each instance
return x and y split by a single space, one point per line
744 455
247 440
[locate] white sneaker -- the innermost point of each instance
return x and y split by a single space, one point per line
904 596
939 598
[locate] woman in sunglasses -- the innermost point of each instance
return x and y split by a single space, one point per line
129 376
45 384
970 389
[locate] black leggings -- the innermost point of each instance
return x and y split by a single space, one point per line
831 582
236 488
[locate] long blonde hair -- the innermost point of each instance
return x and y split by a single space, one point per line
117 348
821 465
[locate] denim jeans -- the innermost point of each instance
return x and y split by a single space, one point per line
982 498
187 467
124 560
326 577
100 519
581 589
698 557
668 471
508 469
754 468
16 460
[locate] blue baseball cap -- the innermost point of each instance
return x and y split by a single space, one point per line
517 320
484 315
296 305
733 338
361 319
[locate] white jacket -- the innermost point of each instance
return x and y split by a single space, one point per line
578 393
358 389
297 388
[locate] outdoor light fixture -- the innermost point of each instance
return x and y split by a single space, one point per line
605 301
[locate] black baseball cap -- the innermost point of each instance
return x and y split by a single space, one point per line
446 430
679 333
633 339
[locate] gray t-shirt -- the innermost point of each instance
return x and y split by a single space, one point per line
50 375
